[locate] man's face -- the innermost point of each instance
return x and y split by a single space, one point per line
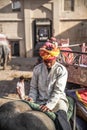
49 63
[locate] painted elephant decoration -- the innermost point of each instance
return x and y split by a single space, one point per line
17 115
5 51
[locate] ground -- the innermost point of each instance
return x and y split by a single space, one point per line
8 78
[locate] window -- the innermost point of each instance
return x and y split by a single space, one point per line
15 50
69 5
16 5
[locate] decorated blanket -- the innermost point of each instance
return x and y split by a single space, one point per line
52 115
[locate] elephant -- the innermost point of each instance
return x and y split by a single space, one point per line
4 55
18 115
5 51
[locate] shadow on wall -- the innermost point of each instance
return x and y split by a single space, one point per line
37 4
76 34
6 8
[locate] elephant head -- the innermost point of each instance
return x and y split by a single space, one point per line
17 115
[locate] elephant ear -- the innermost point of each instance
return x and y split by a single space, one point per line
36 107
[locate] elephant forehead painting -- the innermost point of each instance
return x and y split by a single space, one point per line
17 115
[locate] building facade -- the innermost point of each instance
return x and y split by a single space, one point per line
25 22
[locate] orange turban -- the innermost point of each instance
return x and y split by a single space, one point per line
49 51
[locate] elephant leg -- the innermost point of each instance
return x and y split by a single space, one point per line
1 54
0 59
5 62
5 52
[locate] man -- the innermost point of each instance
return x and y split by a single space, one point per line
47 86
54 41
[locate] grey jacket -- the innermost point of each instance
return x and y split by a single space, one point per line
48 88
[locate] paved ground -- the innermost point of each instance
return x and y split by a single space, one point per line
9 77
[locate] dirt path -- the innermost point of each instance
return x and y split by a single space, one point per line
9 77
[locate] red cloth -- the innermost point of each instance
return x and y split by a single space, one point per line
82 96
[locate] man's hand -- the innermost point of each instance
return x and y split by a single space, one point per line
29 99
44 108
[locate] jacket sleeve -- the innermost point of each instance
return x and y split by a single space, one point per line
33 85
58 89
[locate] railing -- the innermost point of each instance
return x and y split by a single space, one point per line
68 56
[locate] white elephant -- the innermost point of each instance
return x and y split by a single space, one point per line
5 51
